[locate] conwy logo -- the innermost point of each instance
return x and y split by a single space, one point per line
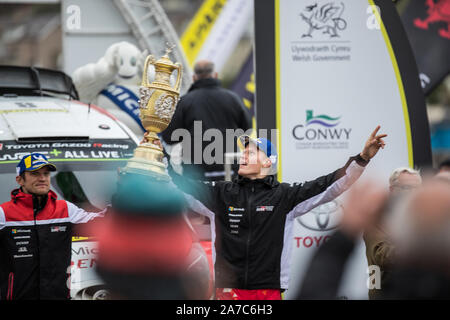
321 128
322 119
326 17
437 12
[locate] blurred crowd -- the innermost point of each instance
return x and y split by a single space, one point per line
406 230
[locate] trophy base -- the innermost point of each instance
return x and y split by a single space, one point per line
147 160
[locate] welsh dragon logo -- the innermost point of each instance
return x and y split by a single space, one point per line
327 18
437 12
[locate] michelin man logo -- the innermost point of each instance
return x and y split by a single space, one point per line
113 83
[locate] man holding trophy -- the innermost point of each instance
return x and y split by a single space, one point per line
253 215
147 247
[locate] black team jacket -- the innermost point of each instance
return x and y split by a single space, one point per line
253 221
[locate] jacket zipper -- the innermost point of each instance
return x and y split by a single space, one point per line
9 295
250 198
35 212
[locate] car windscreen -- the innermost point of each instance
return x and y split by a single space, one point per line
86 173
88 189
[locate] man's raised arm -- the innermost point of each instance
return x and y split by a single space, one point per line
205 192
309 195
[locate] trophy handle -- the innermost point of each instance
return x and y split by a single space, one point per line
150 59
179 67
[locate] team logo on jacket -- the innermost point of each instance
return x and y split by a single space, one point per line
234 216
232 209
264 208
58 229
15 231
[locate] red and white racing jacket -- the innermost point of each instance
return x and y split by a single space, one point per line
35 245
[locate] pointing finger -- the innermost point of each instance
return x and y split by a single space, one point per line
381 136
374 133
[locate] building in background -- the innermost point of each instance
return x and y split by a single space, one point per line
30 35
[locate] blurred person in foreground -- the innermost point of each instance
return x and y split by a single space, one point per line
379 248
254 214
36 235
147 248
419 226
420 229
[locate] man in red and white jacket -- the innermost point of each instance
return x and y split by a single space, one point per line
36 235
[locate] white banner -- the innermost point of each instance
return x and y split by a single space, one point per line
337 79
226 32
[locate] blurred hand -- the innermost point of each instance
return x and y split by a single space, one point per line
144 139
155 141
363 207
373 144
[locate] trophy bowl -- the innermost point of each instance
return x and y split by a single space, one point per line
158 101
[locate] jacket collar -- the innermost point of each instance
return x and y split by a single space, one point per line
18 194
204 83
269 181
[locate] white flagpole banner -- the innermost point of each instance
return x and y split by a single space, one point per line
337 70
200 27
226 32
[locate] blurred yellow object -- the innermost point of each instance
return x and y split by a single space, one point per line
199 28
75 239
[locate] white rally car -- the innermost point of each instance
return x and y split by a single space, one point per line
39 112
